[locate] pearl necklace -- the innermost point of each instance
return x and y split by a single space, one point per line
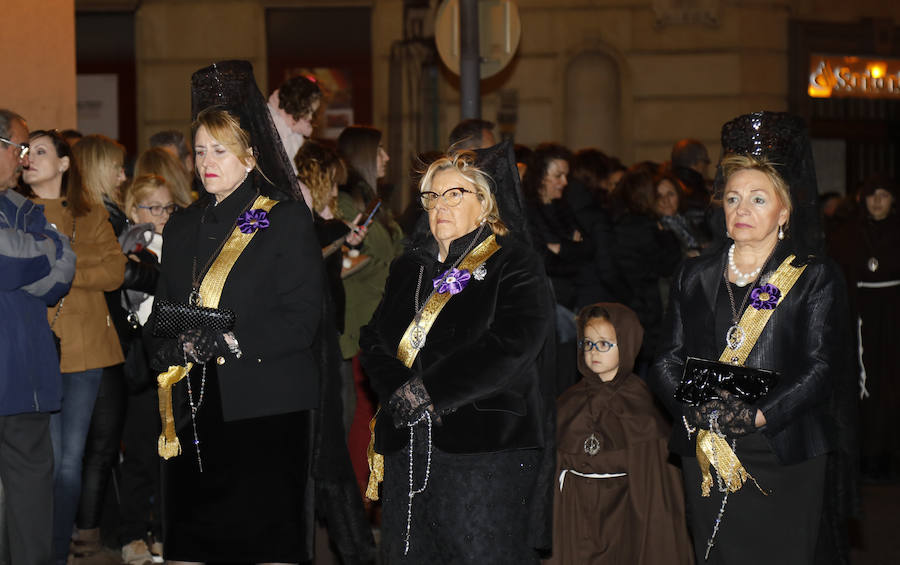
743 279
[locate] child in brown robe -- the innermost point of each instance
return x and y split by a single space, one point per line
618 500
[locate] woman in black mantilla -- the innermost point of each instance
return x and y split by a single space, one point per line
238 491
464 410
781 439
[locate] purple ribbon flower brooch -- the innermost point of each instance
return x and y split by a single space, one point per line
252 220
765 297
452 281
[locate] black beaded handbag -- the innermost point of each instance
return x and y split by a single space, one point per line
174 318
703 379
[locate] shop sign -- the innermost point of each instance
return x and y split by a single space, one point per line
853 77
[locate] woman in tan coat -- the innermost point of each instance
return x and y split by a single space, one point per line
81 320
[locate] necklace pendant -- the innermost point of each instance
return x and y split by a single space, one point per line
592 445
872 264
480 272
417 337
734 337
194 298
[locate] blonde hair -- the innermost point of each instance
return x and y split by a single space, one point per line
140 188
161 162
735 163
319 168
96 155
225 128
463 162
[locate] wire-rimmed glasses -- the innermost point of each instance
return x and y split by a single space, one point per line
158 209
22 147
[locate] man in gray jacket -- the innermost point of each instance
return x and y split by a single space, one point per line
36 269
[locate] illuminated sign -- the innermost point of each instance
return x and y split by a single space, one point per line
853 77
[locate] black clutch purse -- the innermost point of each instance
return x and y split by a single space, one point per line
703 379
174 318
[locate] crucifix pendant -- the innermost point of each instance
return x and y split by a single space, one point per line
734 337
872 264
592 445
417 336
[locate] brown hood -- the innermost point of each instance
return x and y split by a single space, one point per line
629 334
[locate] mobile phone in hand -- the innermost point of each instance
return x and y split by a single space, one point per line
370 212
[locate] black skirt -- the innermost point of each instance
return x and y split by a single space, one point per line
474 509
778 528
247 504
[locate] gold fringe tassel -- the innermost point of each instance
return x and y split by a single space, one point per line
168 445
713 449
376 464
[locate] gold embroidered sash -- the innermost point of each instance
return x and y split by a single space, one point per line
406 352
211 287
713 449
754 320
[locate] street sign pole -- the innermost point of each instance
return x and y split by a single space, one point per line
470 60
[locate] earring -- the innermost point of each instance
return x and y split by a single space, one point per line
248 169
780 232
727 234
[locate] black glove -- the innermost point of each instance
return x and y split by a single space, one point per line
195 346
169 354
201 345
409 402
735 418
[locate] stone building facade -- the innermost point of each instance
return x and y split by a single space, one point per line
628 76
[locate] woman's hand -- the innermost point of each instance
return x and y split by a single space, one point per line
409 402
357 233
734 417
201 345
760 420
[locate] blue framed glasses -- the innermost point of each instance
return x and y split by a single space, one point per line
602 346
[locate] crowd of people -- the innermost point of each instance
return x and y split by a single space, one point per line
548 355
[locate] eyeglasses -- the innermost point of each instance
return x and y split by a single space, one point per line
23 147
451 196
602 346
157 210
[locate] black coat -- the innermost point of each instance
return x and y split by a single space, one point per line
275 291
805 341
643 254
556 223
480 359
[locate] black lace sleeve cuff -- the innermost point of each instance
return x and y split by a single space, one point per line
409 402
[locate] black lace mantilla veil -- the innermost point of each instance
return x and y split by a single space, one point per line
336 500
782 139
499 162
232 86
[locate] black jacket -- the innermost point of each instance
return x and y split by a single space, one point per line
643 254
556 223
805 341
480 359
275 291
